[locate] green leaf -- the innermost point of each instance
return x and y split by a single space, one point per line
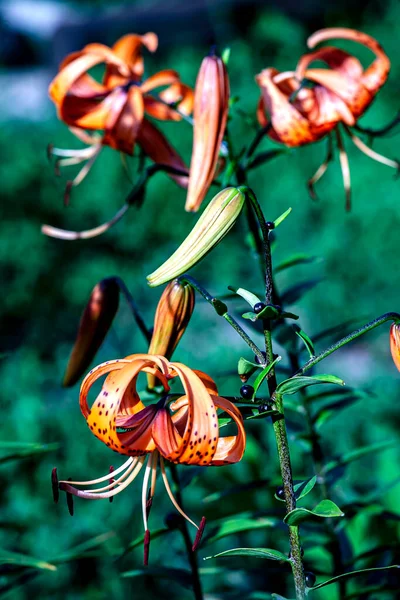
264 157
238 524
250 316
352 574
294 384
283 216
356 454
306 340
267 553
324 510
15 450
250 298
296 292
23 560
294 260
246 368
226 55
261 376
78 552
301 489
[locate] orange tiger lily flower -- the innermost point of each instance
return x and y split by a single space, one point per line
173 313
211 104
341 93
117 106
395 343
185 431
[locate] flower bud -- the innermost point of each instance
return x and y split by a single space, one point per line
95 322
215 222
395 343
211 104
172 317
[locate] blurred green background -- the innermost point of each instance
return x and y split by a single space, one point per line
46 283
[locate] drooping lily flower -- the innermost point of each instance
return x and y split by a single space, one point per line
118 104
213 225
172 316
295 115
395 343
182 431
211 104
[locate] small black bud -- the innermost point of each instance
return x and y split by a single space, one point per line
258 307
247 391
310 579
280 492
270 225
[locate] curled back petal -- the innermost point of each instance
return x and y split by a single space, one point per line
230 449
125 120
166 435
165 77
129 49
72 71
157 147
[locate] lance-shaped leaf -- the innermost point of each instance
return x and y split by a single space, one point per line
240 523
301 489
294 384
95 323
283 216
324 510
182 576
353 455
23 560
246 368
351 575
294 261
83 550
266 553
264 373
306 340
214 223
16 450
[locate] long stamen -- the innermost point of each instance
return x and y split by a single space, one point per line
112 480
86 168
64 234
170 494
322 169
371 153
96 496
81 153
344 164
144 490
116 482
106 477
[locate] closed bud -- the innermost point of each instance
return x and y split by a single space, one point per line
215 222
395 343
95 322
172 317
211 104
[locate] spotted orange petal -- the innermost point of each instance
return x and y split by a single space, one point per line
230 449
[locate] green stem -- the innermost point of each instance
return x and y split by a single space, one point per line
391 316
192 556
221 309
135 311
290 499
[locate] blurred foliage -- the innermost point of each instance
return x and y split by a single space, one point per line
46 283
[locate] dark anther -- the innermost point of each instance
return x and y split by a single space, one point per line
247 391
174 520
264 407
54 485
146 547
280 492
70 501
112 480
258 307
49 151
258 360
270 225
310 579
67 192
199 534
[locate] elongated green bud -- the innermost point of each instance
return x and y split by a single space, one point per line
95 322
215 222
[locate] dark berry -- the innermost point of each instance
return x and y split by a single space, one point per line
280 492
310 579
264 407
270 225
258 307
247 391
